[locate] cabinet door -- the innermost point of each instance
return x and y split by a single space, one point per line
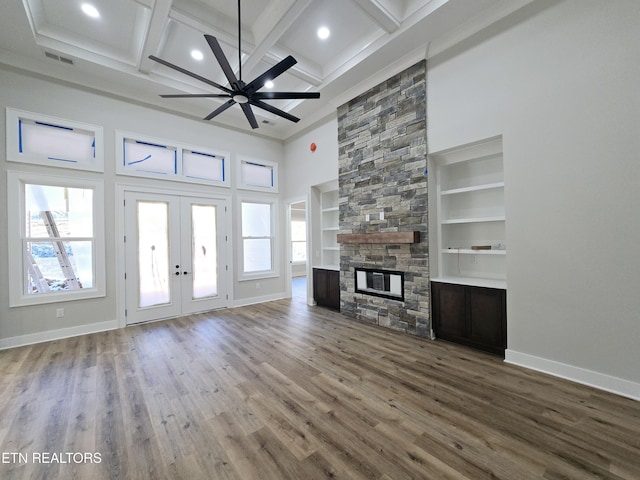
487 312
326 288
472 316
320 286
334 290
449 311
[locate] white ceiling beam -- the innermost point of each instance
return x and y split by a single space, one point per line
269 28
380 14
213 22
157 24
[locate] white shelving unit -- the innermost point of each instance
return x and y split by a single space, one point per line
329 220
470 212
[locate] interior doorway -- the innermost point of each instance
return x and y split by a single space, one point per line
298 249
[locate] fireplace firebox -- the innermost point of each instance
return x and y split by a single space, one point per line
380 283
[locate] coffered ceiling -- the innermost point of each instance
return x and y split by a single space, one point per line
369 41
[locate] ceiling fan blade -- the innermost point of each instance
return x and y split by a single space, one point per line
191 74
196 95
275 71
222 60
249 114
220 109
284 95
274 110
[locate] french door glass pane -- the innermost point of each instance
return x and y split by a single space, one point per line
205 261
153 253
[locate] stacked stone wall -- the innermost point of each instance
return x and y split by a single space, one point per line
382 169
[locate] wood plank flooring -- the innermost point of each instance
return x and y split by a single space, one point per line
286 391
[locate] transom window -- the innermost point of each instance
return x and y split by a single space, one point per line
55 142
144 156
258 175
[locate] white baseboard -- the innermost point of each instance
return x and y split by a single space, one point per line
619 386
253 300
61 333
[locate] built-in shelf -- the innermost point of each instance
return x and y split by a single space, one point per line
475 188
329 226
468 193
470 251
453 221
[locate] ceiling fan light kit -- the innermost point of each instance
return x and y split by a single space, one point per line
244 94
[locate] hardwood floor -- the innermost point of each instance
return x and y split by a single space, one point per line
286 391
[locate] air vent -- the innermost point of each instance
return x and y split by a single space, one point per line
59 58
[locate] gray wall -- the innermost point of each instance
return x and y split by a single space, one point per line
559 81
36 323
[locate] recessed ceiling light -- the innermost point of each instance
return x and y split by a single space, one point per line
323 33
197 54
90 10
268 84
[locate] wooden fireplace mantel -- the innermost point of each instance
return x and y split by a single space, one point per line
380 237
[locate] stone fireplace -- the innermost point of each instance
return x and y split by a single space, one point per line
383 193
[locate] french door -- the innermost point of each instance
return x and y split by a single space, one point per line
175 255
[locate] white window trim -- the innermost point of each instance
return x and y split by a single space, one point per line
275 255
267 163
13 118
179 176
16 219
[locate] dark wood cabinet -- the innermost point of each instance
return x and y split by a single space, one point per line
326 287
470 315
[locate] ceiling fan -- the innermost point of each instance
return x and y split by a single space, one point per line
244 94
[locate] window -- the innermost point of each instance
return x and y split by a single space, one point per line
150 158
298 241
203 166
258 175
55 142
58 249
257 238
143 156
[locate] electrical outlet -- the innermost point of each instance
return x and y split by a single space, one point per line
474 259
381 215
257 285
59 312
